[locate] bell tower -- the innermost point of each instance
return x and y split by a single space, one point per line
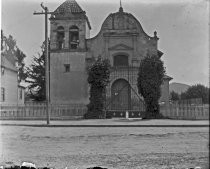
70 28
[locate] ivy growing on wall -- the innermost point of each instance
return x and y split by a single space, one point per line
150 78
98 79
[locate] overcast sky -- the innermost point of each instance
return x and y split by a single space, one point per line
181 25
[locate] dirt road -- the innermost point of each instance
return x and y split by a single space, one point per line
117 147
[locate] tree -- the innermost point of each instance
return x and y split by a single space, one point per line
150 78
36 77
21 65
14 54
183 96
197 91
11 43
8 48
174 96
98 78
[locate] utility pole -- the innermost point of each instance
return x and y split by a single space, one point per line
46 12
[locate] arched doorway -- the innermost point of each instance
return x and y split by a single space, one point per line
120 95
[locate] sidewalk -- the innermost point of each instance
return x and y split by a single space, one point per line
109 123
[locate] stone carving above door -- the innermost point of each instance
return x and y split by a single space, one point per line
120 47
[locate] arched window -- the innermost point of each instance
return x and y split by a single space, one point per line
121 60
60 37
74 37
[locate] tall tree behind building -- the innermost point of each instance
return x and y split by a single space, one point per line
36 77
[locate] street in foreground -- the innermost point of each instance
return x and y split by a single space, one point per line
114 147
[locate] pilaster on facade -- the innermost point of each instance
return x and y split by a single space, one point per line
66 40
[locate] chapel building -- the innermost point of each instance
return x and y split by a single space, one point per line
121 39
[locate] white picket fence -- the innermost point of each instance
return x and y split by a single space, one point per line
186 111
37 111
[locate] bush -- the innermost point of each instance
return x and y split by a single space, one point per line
150 78
98 78
197 91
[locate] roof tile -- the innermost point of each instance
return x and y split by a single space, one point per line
69 6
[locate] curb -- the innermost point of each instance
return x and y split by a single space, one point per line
53 125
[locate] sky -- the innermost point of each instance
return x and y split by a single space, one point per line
181 25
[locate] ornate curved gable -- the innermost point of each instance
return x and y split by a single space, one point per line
121 31
122 21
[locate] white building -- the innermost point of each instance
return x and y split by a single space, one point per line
11 92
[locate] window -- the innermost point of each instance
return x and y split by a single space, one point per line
60 37
67 67
74 37
120 60
2 94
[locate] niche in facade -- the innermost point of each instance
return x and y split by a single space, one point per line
60 37
74 37
120 60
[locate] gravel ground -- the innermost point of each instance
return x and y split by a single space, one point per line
117 147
